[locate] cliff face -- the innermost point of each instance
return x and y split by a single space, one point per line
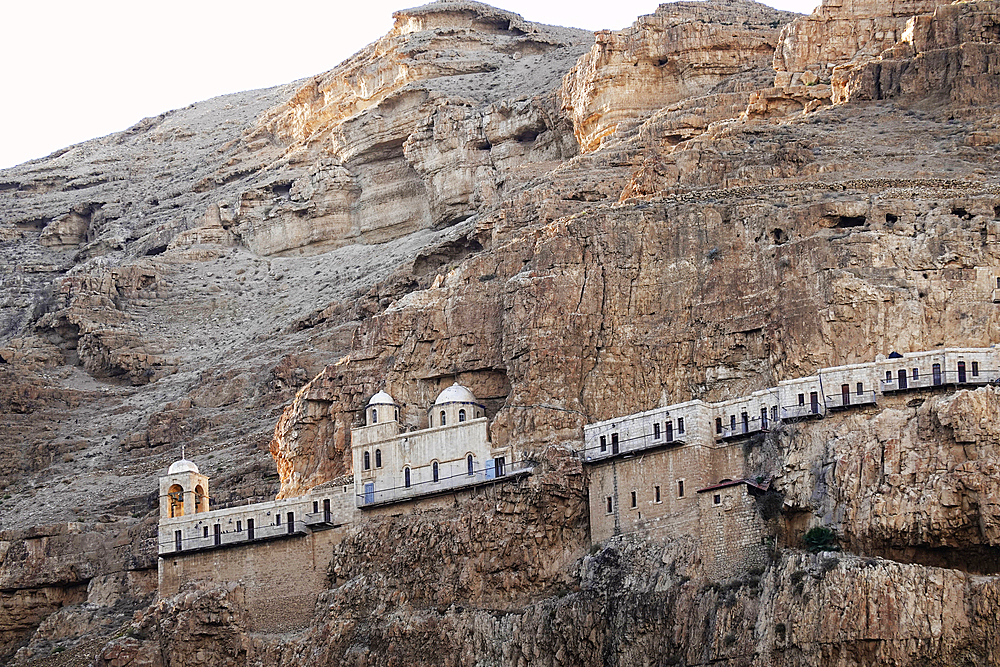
574 231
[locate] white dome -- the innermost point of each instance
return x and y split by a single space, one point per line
182 466
382 398
456 393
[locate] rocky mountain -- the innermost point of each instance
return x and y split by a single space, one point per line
574 226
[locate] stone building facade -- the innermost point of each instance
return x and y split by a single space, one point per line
661 471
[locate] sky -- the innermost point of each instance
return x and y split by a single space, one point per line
75 70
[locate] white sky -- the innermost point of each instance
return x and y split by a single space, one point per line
78 69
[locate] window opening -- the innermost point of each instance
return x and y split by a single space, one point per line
291 519
609 510
461 415
670 431
802 399
249 529
326 510
374 416
498 466
656 430
176 497
315 506
763 418
369 494
717 499
217 533
406 477
178 541
444 419
916 374
680 425
718 424
368 461
861 388
732 424
239 526
936 373
656 494
378 458
635 501
961 371
396 414
680 488
277 518
975 369
845 393
604 443
901 377
205 533
774 413
470 465
746 421
435 469
814 402
614 443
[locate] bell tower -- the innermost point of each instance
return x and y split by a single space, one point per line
184 490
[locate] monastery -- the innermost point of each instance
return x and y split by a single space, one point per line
678 469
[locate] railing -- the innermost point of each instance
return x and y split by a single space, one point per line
376 496
842 400
941 378
167 542
756 425
634 444
816 409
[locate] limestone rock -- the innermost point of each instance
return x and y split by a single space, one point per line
683 51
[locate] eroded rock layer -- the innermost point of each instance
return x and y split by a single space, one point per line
574 231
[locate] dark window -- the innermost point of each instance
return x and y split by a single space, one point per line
396 414
732 423
774 413
746 421
406 477
315 506
374 416
368 461
845 393
763 417
277 518
291 520
975 369
609 512
326 510
718 424
205 534
239 526
461 415
861 388
378 458
656 493
656 431
249 529
901 378
888 376
916 374
670 431
614 443
435 469
961 371
469 464
635 501
178 541
814 402
444 419
802 399
936 373
498 466
680 424
717 499
680 488
217 533
604 443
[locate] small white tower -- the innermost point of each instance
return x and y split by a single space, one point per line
454 405
381 408
183 491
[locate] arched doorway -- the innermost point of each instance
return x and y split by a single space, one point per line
200 499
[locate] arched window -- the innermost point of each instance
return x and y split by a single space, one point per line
435 470
470 464
396 414
406 477
444 419
368 461
378 458
200 499
374 416
461 415
176 496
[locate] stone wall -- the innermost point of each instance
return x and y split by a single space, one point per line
731 532
280 578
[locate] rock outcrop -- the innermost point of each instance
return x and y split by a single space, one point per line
574 231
